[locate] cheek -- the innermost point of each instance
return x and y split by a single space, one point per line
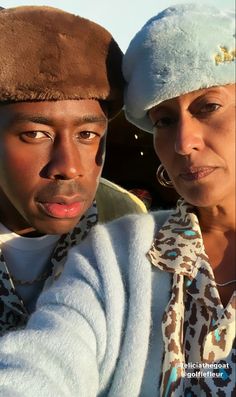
92 158
17 169
100 156
163 149
231 160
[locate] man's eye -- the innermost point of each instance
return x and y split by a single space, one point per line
209 108
35 135
87 135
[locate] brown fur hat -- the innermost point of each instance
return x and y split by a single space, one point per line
49 54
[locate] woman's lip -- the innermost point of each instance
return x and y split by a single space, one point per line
196 173
62 210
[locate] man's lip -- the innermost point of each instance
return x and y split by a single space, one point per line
62 207
62 211
66 200
196 173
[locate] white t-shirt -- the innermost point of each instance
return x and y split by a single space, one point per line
26 259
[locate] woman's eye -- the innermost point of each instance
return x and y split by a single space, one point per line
163 122
209 108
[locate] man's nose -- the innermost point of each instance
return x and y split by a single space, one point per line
189 136
65 162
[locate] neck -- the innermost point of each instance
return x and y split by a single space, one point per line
217 219
30 232
218 232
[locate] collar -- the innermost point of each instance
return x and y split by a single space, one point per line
178 244
13 313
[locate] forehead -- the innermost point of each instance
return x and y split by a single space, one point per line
66 110
220 91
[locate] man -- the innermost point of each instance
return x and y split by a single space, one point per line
60 83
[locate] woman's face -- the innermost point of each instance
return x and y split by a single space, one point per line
194 137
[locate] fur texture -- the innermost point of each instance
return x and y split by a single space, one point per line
182 49
49 54
90 334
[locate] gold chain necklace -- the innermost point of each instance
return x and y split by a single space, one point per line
227 283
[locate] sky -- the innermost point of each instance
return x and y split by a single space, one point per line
123 18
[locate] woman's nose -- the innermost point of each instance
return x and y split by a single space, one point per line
189 136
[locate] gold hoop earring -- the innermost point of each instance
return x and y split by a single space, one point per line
161 177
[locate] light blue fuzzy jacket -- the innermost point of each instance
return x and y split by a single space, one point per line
90 334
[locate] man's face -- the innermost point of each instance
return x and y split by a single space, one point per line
51 158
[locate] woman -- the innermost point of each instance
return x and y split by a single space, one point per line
146 307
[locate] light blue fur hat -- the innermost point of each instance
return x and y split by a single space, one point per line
184 48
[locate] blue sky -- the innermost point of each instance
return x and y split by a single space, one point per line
122 18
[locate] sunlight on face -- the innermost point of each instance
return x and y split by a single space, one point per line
194 137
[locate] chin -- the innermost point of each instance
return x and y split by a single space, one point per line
202 197
56 226
208 192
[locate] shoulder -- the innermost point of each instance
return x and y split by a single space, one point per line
113 202
112 258
133 223
130 233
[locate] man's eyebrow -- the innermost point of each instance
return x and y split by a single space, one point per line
92 119
38 119
41 119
